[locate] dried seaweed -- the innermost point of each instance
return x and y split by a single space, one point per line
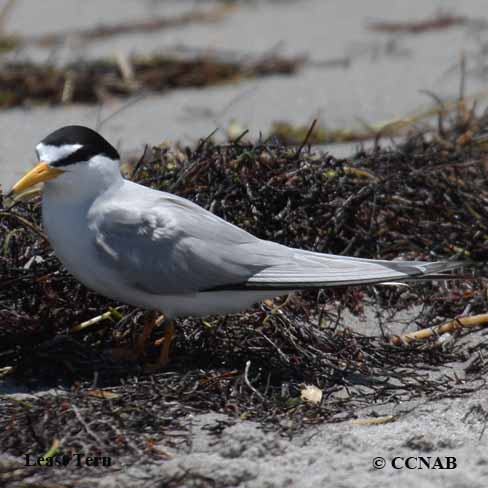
424 199
439 22
288 133
96 81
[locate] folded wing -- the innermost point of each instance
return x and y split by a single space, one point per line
316 270
164 244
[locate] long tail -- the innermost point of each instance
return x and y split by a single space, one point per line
316 270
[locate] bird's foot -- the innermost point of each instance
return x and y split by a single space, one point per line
137 353
151 323
165 344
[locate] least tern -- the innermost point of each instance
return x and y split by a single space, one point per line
164 253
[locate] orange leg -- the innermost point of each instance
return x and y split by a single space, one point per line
137 353
168 339
152 322
165 343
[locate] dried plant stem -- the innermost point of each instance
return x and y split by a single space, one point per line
24 222
450 326
113 313
248 383
375 420
53 450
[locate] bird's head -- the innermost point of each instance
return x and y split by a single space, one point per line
75 159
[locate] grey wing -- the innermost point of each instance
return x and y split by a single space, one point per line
164 244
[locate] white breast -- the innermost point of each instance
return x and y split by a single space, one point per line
67 226
67 229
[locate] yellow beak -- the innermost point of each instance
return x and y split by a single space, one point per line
40 172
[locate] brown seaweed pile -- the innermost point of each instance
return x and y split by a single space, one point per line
25 83
426 198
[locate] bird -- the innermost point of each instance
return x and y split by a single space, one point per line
165 254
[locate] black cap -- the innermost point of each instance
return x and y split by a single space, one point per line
92 144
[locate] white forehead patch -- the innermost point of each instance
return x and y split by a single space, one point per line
51 154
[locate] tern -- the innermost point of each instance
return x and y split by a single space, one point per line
163 253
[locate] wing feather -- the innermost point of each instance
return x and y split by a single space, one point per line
164 244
